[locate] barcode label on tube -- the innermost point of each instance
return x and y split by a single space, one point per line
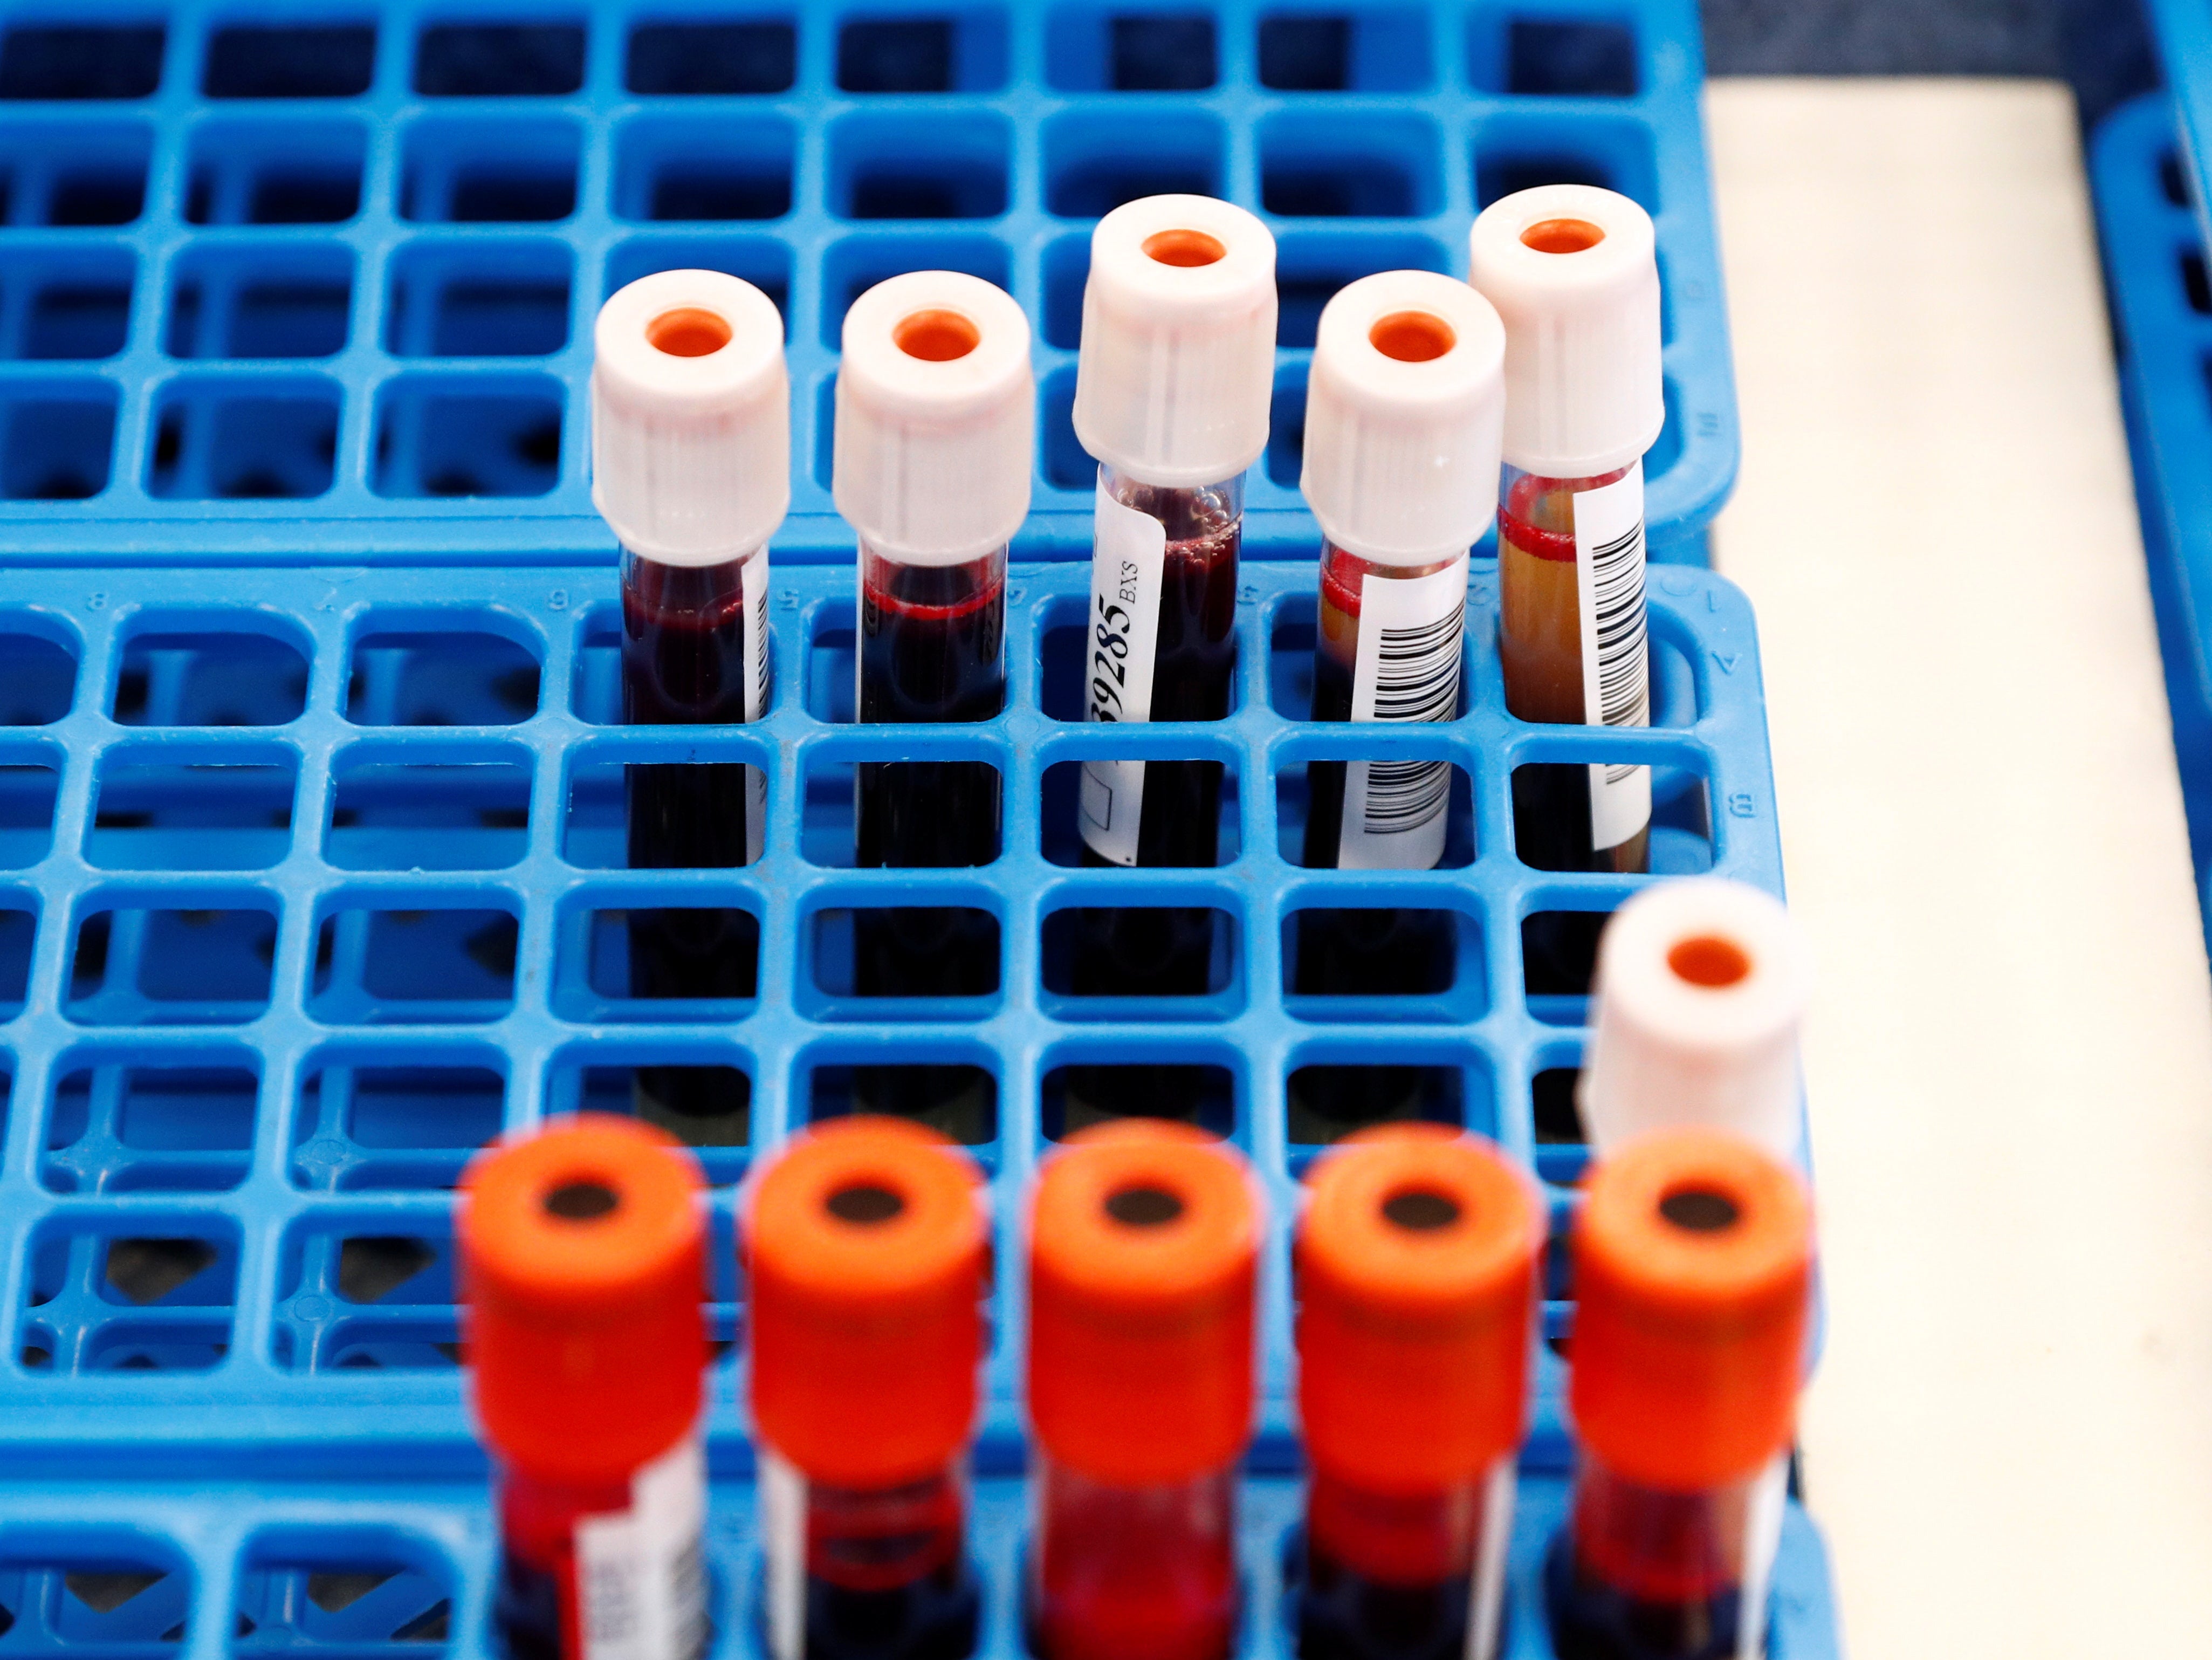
753 579
640 1577
1609 558
1406 669
1128 553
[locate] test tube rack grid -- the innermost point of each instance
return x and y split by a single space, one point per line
332 267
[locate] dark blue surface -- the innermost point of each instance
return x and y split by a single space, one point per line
275 290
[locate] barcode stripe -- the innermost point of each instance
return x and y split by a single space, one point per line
1416 678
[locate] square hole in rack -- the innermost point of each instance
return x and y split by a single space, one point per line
208 669
1317 842
258 438
939 837
490 171
1520 152
1311 266
19 933
89 172
1061 798
1365 167
760 260
958 1098
116 1128
1092 47
2195 282
57 444
694 167
1562 1149
1551 819
63 304
409 671
354 1587
369 1292
1372 49
407 809
285 299
1178 962
1287 427
274 172
1372 963
856 264
656 964
1066 269
499 59
159 1298
1095 160
689 1087
1060 456
1568 56
99 1589
1327 1096
595 690
478 299
28 791
710 55
371 1121
137 966
289 60
714 794
952 49
38 673
1080 1091
73 61
170 809
888 168
479 435
900 962
1558 957
380 966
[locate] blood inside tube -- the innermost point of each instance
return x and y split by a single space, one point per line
1387 1575
1168 951
1644 1574
930 640
887 1578
1126 1572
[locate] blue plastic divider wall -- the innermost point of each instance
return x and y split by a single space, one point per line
2182 29
2162 308
335 264
310 881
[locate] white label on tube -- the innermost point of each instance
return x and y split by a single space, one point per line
1616 669
640 1577
782 1492
1485 1602
753 578
1762 1538
1406 669
1128 553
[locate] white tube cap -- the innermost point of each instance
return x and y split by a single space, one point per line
1583 390
690 418
936 418
1178 361
1701 985
1405 410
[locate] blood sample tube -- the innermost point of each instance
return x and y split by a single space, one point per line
1143 1238
1404 407
1171 395
690 455
583 1271
1572 272
935 421
1701 985
865 1245
1417 1262
1693 1269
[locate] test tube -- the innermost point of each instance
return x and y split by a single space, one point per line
864 1241
935 423
1171 395
1417 1269
1701 986
691 465
583 1272
1143 1238
1573 273
1404 407
1692 1267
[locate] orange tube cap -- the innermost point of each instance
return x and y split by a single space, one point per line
1693 1262
866 1244
1417 1265
583 1271
1144 1237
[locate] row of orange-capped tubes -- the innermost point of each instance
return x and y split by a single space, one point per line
864 1244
